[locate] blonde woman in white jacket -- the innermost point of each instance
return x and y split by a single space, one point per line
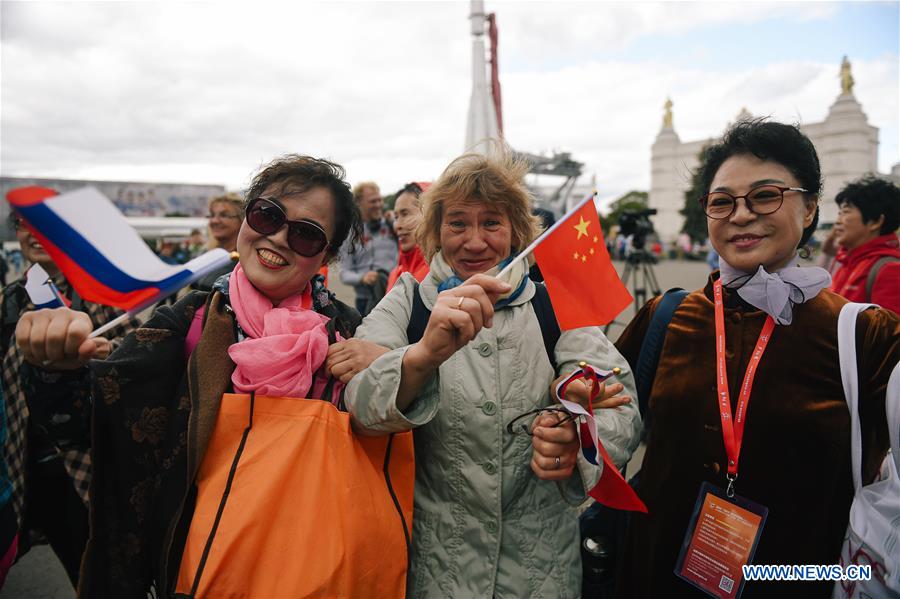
495 512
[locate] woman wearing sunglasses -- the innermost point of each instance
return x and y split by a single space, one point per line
495 511
156 398
786 418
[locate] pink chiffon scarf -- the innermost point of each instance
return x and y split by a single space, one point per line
284 352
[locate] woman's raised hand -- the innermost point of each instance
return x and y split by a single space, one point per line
457 317
347 358
59 339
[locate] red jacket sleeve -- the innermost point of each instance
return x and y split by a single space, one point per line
886 290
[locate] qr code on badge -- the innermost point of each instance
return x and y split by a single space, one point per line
726 584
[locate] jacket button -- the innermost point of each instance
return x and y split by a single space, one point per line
485 349
489 408
491 527
714 467
490 468
736 317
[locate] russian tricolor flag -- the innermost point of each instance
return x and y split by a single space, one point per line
41 290
102 257
612 489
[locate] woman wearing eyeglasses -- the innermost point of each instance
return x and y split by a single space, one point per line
157 397
226 215
495 510
747 397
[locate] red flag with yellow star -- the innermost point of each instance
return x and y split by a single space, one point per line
583 284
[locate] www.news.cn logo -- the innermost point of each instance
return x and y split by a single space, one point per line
807 572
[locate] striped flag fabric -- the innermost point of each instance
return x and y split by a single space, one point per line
102 257
41 290
612 489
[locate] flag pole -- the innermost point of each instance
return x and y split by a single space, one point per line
523 254
55 291
121 318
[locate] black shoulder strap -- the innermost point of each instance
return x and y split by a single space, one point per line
651 348
873 273
550 331
418 320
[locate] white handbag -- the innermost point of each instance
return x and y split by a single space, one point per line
873 532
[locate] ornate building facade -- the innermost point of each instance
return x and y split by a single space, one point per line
847 145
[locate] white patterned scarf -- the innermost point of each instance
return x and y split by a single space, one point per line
776 293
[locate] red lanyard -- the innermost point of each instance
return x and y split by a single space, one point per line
733 430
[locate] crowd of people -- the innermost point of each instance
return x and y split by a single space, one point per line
132 452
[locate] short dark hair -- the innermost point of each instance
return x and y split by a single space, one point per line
873 196
769 140
547 218
297 173
413 188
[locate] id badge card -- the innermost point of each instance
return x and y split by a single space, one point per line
722 536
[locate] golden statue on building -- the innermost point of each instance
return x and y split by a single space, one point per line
667 115
846 78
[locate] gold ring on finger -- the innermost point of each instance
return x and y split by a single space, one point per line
459 303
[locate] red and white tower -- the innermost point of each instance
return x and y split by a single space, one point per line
483 123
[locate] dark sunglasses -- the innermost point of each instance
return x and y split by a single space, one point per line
304 237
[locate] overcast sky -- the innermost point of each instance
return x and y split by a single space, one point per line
206 92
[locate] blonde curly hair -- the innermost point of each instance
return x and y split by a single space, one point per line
496 179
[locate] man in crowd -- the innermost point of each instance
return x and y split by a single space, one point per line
868 261
366 266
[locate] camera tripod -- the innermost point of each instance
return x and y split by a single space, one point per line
639 271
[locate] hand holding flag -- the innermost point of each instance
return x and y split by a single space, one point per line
70 351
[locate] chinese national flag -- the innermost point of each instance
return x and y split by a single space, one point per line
583 284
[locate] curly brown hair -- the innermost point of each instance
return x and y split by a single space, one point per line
496 179
296 173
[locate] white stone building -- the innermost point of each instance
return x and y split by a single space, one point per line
845 141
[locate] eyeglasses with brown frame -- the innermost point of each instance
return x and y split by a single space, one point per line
763 199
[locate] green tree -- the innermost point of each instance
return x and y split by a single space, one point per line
633 200
389 200
694 218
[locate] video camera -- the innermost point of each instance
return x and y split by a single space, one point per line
636 223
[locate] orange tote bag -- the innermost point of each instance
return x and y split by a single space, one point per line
291 503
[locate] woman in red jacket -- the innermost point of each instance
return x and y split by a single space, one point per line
866 231
408 213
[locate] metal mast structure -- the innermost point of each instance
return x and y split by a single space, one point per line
481 126
485 114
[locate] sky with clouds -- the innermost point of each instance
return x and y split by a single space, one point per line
206 92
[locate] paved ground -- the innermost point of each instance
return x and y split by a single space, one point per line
40 576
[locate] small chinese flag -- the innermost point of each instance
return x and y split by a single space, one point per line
583 284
